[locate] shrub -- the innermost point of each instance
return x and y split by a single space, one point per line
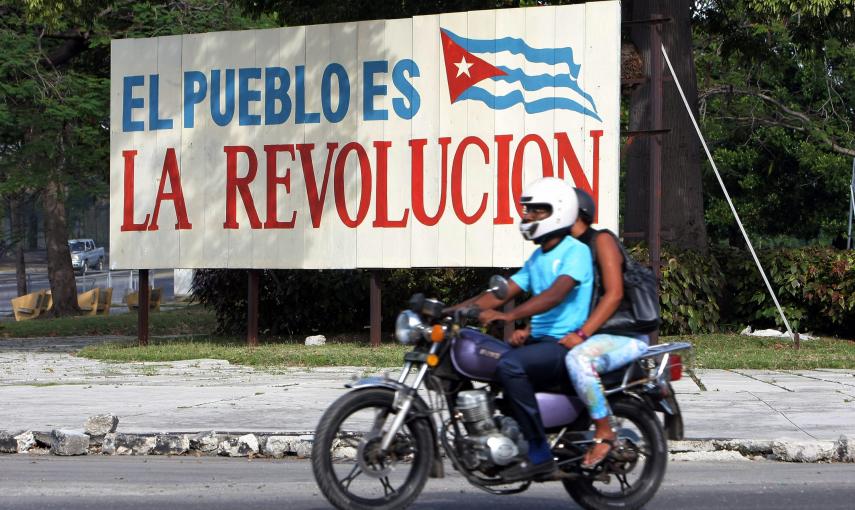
815 287
699 293
689 291
300 301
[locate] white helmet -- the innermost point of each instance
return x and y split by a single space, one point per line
561 199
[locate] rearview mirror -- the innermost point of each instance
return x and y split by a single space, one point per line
498 286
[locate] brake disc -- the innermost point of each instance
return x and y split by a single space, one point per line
371 459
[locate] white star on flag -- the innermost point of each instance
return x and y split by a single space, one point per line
463 66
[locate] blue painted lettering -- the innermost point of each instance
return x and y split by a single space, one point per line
406 88
302 117
343 92
370 90
129 103
195 90
221 117
274 94
154 121
246 96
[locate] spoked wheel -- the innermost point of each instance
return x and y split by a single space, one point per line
634 469
350 467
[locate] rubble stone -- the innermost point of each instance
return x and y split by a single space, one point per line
25 441
242 446
69 442
101 424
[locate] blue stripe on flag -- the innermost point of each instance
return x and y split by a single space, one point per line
516 97
516 46
543 81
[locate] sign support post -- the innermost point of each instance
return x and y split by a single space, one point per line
252 308
142 314
374 295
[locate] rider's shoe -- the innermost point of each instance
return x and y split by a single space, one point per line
525 470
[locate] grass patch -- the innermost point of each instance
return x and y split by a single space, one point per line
711 351
189 320
267 354
736 351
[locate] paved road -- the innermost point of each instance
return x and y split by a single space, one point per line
182 483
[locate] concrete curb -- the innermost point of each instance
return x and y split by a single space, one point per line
299 444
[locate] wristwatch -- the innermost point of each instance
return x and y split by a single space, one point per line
581 334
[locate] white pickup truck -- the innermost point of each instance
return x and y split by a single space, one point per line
84 255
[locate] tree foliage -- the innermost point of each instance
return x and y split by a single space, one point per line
777 89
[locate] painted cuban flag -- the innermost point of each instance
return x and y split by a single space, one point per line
538 91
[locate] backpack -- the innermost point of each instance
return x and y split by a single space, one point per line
638 311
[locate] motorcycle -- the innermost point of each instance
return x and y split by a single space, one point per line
376 446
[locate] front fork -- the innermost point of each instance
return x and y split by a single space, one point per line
404 398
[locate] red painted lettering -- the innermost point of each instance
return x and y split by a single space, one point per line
457 180
338 184
503 209
171 172
273 180
382 207
545 161
566 157
316 199
417 149
128 224
235 184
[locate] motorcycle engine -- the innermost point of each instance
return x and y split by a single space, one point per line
492 440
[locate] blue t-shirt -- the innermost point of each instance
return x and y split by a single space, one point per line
540 271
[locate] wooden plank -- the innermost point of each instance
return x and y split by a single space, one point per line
509 248
601 71
397 131
371 48
162 246
291 243
479 169
453 123
195 146
424 238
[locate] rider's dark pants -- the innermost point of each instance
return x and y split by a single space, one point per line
522 371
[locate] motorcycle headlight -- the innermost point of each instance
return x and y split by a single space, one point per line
408 327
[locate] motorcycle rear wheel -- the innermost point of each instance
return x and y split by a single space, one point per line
348 467
642 432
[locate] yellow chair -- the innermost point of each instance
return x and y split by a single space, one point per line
105 299
29 306
88 301
154 298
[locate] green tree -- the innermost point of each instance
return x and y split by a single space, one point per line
777 85
54 99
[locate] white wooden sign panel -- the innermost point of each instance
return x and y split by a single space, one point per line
377 144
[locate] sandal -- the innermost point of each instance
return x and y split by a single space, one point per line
597 441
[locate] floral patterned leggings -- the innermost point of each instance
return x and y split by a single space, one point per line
597 355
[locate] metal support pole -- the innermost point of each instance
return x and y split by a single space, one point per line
252 308
142 313
374 295
655 219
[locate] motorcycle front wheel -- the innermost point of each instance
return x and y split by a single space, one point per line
631 476
349 466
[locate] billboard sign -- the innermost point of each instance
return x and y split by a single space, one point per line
376 144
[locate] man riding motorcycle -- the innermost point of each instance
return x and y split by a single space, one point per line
560 277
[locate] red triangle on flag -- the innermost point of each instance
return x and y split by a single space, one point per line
463 69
